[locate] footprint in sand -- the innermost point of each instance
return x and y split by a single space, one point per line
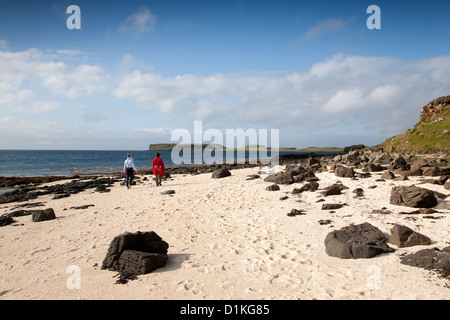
188 285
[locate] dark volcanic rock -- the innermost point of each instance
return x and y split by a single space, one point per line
403 236
6 220
388 175
332 192
312 186
296 212
61 196
59 191
273 187
435 171
82 207
359 192
412 196
331 206
305 176
354 147
356 241
334 189
17 181
373 167
399 163
429 259
413 171
383 158
139 262
104 189
168 192
136 253
280 178
447 185
17 196
344 172
221 173
42 215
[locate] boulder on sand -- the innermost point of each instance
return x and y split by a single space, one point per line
344 172
221 173
273 187
331 206
403 236
356 241
42 215
387 174
412 196
430 259
136 253
280 178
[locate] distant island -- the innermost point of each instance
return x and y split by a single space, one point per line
170 146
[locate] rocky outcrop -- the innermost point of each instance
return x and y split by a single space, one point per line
431 135
59 190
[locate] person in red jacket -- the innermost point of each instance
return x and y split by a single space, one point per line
158 169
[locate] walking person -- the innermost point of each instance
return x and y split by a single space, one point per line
158 169
129 169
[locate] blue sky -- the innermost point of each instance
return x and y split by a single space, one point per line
137 70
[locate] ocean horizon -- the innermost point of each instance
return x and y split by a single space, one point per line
32 163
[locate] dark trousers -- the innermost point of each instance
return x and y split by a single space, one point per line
158 179
129 176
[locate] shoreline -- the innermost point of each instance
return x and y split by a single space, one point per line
228 238
14 181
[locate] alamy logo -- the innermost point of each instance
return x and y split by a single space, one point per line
74 21
374 21
74 280
374 280
229 150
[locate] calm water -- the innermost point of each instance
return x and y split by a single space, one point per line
31 163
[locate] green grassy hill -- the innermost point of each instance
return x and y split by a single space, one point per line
431 135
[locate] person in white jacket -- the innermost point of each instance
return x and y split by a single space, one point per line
129 169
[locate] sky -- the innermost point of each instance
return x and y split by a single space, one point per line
137 71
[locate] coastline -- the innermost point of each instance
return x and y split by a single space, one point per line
229 238
14 181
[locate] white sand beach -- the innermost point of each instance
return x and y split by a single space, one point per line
228 238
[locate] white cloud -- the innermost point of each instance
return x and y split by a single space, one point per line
139 23
345 100
383 95
28 78
345 97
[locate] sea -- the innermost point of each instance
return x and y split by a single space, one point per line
38 163
33 163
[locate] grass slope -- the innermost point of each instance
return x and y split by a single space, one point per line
430 135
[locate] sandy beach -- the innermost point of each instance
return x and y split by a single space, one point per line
228 238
